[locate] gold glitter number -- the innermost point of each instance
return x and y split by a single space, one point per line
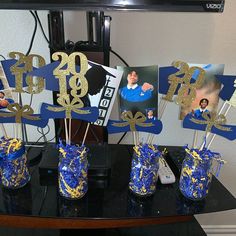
35 84
23 65
174 80
63 58
18 70
82 84
187 92
60 73
77 82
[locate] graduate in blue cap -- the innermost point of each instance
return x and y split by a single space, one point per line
203 108
134 92
150 114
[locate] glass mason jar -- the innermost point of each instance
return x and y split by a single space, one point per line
15 172
73 176
195 178
144 175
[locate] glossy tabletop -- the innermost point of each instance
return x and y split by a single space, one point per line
107 207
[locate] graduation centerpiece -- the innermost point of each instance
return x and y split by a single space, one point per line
14 170
86 91
198 86
135 99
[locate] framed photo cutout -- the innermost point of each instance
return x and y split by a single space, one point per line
207 97
138 90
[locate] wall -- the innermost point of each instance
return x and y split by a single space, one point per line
147 39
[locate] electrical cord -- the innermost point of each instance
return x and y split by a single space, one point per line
31 99
33 35
41 26
116 54
43 200
44 135
2 56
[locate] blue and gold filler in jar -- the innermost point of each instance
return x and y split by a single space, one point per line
14 171
197 170
144 169
73 171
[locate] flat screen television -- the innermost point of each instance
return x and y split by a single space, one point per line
89 5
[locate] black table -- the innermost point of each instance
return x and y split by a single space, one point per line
36 206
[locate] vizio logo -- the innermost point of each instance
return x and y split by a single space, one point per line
214 6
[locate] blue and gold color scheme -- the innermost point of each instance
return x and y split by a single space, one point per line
144 169
73 171
211 122
69 110
22 114
138 122
197 170
14 170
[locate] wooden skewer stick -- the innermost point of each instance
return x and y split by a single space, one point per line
137 135
134 136
195 138
152 138
3 130
85 134
66 130
213 137
69 132
163 109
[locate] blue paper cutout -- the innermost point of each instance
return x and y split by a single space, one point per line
164 73
228 86
90 117
155 129
189 124
51 82
42 122
1 85
6 65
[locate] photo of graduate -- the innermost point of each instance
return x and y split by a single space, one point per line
201 109
150 114
138 90
133 92
4 101
207 97
5 91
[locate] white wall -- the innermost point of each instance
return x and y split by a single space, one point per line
147 39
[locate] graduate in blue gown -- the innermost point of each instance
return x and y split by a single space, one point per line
203 108
134 92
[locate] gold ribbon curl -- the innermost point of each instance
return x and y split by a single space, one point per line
212 119
19 112
69 106
138 119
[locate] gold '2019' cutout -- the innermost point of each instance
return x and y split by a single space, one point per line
77 82
187 92
24 65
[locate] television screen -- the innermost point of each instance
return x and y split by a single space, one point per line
150 5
